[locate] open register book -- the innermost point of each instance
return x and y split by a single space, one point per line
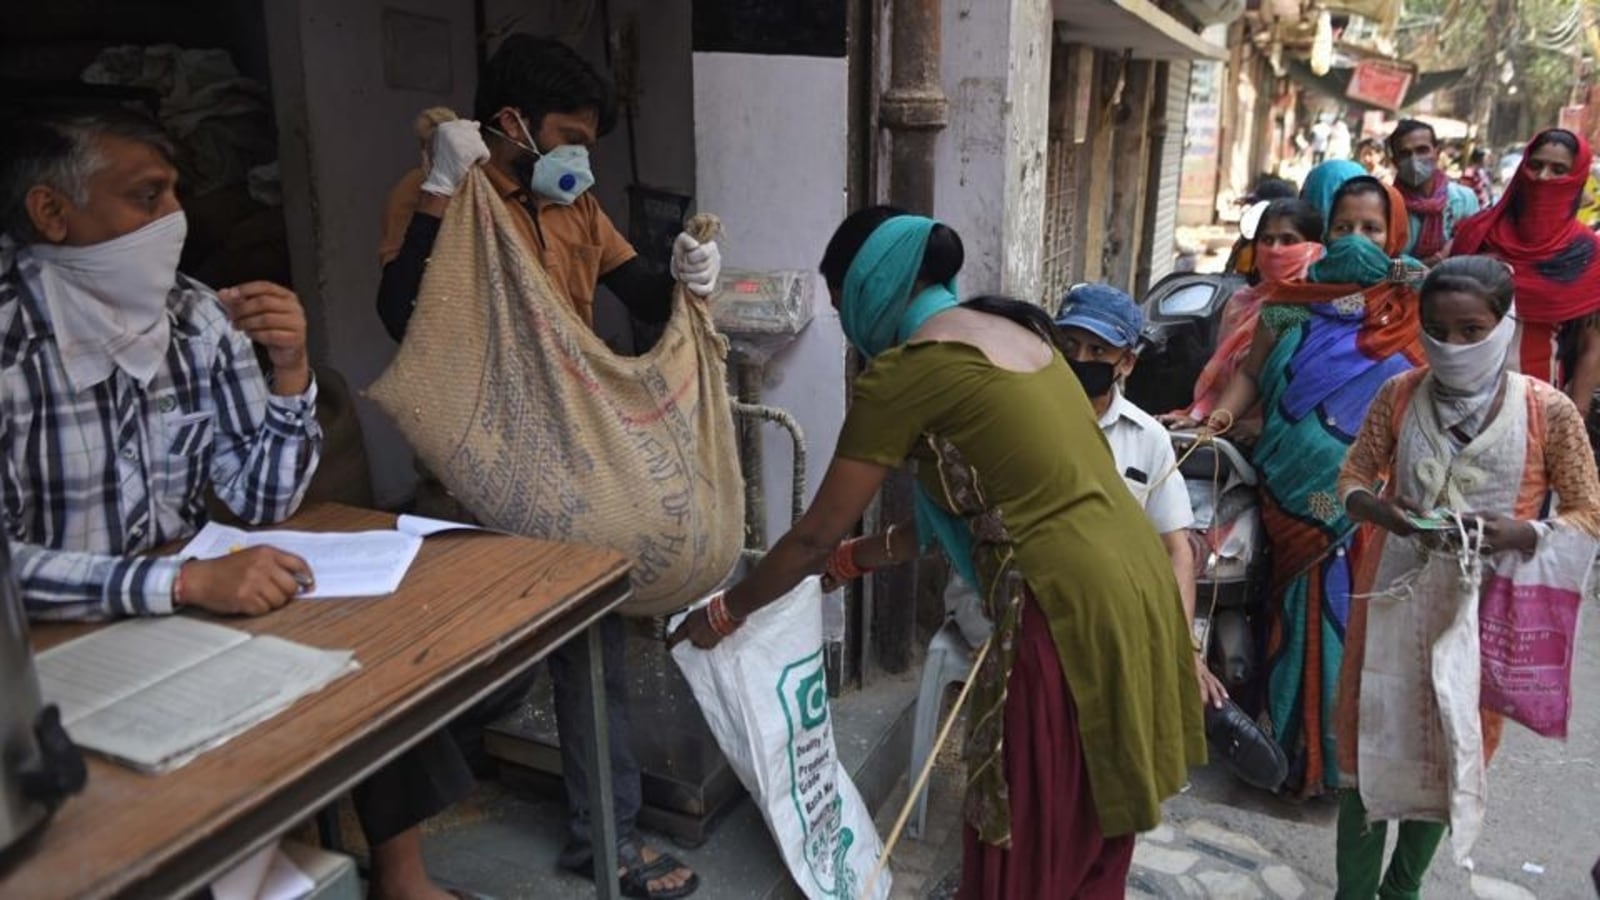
156 693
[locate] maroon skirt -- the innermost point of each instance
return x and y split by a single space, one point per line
1057 849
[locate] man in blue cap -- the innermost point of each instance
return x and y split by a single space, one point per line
1100 328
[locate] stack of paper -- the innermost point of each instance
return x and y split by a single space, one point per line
355 564
343 564
155 693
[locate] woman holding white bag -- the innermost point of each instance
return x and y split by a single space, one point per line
1485 448
1086 712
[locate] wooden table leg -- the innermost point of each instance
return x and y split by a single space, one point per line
602 812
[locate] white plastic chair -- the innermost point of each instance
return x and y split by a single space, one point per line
949 660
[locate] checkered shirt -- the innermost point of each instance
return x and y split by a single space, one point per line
96 479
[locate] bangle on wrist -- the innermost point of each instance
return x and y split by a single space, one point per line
722 621
1211 420
888 544
726 608
842 565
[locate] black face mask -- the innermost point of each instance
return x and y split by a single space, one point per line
1097 378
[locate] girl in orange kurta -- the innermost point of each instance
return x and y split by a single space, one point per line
1466 436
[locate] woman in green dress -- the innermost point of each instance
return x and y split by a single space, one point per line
1086 714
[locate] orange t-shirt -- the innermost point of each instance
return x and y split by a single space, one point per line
577 244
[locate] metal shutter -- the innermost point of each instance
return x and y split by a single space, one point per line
1168 173
1064 157
1060 217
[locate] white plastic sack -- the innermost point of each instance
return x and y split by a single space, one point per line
1421 742
764 693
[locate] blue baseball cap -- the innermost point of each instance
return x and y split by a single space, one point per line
1103 311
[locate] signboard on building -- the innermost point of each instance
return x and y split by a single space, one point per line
1584 118
1197 184
1380 82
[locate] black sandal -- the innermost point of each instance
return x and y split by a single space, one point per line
1252 754
637 874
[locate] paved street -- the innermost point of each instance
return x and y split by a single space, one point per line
1225 840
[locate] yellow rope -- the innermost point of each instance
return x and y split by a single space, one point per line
927 769
1203 437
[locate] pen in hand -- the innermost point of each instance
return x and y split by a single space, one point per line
249 581
305 581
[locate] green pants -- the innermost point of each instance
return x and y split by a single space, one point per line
1360 854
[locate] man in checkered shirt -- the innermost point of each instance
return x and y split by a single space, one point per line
128 390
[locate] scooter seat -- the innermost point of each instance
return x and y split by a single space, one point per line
1218 460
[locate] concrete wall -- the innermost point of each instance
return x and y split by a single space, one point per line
771 140
345 132
991 158
1027 132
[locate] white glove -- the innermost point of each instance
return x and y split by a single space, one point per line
456 147
696 265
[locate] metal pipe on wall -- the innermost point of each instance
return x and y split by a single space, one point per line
783 419
913 110
748 376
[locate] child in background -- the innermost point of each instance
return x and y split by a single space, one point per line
1100 328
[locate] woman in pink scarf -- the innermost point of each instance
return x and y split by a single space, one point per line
1287 242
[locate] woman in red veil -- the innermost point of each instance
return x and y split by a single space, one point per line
1555 261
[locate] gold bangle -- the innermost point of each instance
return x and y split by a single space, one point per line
888 544
1217 412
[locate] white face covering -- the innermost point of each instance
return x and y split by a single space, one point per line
108 301
1467 376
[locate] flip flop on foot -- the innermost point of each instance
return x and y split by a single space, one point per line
646 873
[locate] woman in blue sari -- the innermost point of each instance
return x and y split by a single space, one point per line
1322 349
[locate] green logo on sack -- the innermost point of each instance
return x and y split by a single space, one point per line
803 693
811 697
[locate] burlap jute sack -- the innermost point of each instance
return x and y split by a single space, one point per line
539 429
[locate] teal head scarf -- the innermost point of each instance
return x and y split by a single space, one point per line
879 311
1324 181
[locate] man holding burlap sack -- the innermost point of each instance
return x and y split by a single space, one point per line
541 106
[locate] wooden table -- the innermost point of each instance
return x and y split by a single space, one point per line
475 611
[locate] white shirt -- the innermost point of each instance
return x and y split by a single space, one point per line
1142 449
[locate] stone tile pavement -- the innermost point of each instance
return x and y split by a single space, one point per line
1203 859
1181 859
1223 839
1196 859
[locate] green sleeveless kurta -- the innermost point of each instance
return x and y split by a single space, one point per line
1021 457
